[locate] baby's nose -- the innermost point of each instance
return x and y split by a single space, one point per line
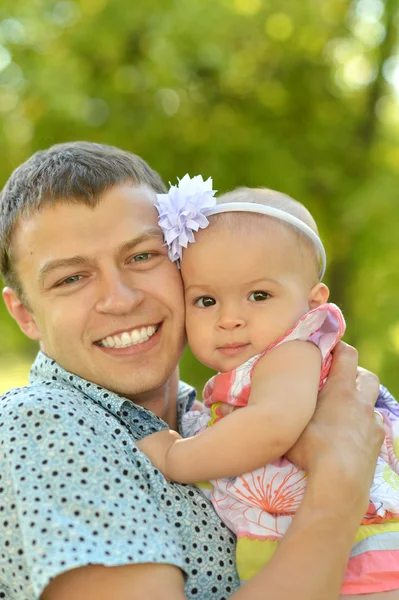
230 321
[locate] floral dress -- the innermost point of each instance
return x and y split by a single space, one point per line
259 506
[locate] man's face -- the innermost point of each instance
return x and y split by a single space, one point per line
106 302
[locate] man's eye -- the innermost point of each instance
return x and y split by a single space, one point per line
205 302
141 257
259 296
70 280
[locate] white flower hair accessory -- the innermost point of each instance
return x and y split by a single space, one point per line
181 211
185 208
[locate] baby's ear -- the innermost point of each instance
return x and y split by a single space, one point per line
318 295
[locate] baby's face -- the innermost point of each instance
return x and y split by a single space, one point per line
244 288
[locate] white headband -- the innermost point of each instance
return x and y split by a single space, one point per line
185 208
276 213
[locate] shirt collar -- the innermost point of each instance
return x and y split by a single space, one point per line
47 371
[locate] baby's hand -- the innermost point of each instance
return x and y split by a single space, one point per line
225 409
157 446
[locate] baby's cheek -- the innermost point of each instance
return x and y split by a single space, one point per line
193 331
198 340
190 323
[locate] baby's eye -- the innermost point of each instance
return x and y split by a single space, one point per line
141 257
259 296
205 302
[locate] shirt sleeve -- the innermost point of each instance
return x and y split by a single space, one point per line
76 490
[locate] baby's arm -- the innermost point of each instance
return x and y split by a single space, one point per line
282 401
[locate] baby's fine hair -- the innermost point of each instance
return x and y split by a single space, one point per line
271 198
274 199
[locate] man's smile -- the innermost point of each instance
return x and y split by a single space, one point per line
125 339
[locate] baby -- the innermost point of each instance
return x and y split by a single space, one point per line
256 312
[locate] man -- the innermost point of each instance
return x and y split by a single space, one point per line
85 514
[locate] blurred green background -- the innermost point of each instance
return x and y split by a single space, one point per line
298 96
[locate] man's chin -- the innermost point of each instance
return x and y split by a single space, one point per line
137 390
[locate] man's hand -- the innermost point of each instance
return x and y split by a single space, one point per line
344 435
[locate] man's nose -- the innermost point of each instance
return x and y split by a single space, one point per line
117 296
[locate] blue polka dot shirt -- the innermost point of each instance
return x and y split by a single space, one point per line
75 490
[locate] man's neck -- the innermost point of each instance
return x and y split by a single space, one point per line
163 402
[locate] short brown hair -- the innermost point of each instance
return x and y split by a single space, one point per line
76 172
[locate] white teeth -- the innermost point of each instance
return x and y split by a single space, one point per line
110 341
135 336
126 339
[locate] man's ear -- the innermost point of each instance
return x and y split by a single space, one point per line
21 314
318 295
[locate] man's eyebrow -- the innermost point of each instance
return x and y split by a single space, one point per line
78 261
149 234
61 263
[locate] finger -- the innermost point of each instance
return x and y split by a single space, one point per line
368 385
345 361
199 406
379 417
226 409
380 424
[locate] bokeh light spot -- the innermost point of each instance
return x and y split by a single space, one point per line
18 130
247 7
5 58
8 100
169 101
93 7
96 112
279 26
394 335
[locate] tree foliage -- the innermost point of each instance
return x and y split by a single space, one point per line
297 96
